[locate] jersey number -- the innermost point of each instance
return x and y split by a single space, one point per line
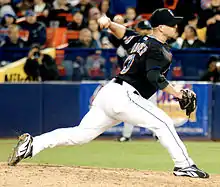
127 64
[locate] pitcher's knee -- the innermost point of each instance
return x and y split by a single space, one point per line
168 122
164 127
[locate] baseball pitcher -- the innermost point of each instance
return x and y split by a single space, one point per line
125 98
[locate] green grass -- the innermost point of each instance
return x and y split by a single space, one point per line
144 155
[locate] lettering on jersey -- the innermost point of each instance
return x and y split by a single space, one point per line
139 48
127 64
128 39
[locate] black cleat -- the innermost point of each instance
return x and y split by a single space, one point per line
191 171
22 150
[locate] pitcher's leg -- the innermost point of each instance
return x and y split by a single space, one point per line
92 125
141 112
169 138
127 130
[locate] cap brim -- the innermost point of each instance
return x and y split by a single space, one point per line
145 28
175 21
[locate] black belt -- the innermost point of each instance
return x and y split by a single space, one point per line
120 81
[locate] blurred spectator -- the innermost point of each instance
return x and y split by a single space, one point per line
6 8
22 6
79 69
62 6
205 4
213 70
39 66
201 32
105 43
130 15
211 18
40 7
37 30
85 40
94 13
95 65
77 23
7 20
96 34
59 7
119 19
73 2
10 44
42 10
94 28
84 7
144 28
104 8
13 39
191 40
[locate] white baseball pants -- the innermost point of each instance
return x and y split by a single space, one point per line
128 128
113 104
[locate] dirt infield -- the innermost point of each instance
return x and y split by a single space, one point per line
25 175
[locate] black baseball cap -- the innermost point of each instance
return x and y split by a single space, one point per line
144 25
164 16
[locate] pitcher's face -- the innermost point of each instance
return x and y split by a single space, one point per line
168 31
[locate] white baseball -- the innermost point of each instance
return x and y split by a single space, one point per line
104 22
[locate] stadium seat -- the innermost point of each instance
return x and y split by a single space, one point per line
59 56
56 37
68 16
73 35
24 34
61 70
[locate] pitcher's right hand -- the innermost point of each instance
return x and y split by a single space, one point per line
104 22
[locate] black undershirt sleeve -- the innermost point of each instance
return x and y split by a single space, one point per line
158 80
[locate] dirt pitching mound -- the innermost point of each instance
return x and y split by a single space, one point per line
60 176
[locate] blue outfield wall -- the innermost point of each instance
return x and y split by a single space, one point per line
215 128
21 109
39 108
60 106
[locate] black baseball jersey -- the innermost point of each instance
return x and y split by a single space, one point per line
147 65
